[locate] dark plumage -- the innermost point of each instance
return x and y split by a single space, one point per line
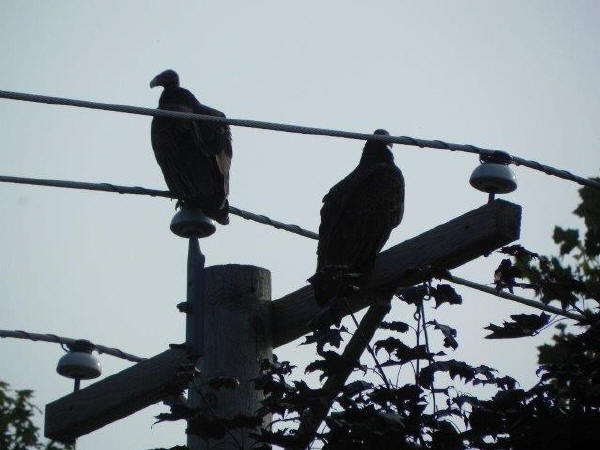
357 217
195 156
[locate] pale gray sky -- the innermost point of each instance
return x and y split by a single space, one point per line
521 76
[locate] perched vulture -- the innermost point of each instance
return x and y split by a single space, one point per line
357 217
195 156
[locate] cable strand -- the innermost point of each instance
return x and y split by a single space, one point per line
137 190
107 187
288 128
20 334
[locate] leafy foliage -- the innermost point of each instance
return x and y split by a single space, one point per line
400 327
17 431
448 332
223 383
332 363
325 336
521 325
444 293
575 275
589 210
505 275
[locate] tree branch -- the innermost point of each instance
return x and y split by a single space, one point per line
334 384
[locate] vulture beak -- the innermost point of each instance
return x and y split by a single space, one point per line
155 81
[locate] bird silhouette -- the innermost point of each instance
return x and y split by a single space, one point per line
194 156
357 217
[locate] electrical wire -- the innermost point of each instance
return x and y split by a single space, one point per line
292 228
288 128
20 334
108 187
136 190
514 298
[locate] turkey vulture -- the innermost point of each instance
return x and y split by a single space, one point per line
357 217
194 156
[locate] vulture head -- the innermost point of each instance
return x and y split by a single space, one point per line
375 152
167 79
383 132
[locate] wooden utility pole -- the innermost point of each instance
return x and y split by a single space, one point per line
237 337
232 324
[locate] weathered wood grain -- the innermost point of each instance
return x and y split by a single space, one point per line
116 396
447 246
237 337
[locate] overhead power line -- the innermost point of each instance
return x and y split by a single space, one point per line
136 190
108 187
19 334
514 298
404 140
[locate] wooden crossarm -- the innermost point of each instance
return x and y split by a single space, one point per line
446 246
117 396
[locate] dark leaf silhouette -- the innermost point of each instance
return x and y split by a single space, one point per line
413 295
448 332
447 437
444 293
332 364
409 393
356 387
276 367
589 210
322 336
223 382
281 438
389 344
568 239
460 400
400 327
403 352
454 369
243 421
505 275
521 325
505 382
206 427
178 411
508 399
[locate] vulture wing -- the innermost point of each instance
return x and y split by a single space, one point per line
215 140
194 156
357 218
358 215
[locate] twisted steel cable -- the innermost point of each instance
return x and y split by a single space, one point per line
136 190
20 334
404 140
